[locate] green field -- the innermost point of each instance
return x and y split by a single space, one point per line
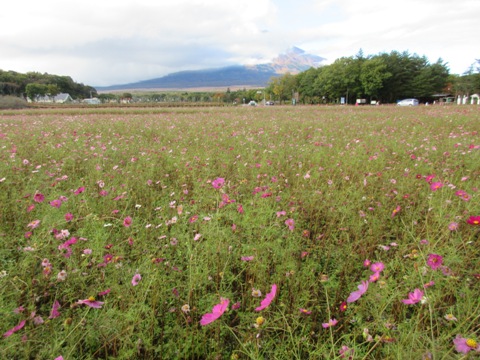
124 231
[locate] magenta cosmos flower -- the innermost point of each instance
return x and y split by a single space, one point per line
434 261
218 183
435 186
474 220
217 311
463 195
127 221
413 297
10 332
55 313
354 296
38 197
91 302
56 203
268 298
465 345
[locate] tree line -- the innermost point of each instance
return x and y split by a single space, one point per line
34 84
384 78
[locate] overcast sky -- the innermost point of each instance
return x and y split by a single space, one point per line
107 42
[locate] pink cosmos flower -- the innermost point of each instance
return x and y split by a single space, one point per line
10 332
218 183
345 351
79 190
217 311
374 277
68 217
305 311
429 178
367 263
413 297
434 261
247 258
435 186
354 296
56 203
474 220
34 224
463 195
136 279
268 298
127 221
396 211
330 323
38 197
91 302
290 223
103 293
55 313
453 226
377 267
465 345
281 213
240 209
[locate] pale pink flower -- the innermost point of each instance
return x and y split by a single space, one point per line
136 279
377 267
34 224
354 296
465 345
330 323
453 226
247 258
91 302
290 223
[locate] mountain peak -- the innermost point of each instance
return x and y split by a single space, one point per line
293 61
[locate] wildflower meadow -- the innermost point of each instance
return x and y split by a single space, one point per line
308 232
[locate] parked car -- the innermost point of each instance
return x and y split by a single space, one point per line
408 102
269 103
252 103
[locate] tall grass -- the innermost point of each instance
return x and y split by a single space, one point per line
310 194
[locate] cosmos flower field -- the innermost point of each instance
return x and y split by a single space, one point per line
240 233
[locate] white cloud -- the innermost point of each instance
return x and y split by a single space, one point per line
113 42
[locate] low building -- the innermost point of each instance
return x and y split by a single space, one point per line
63 98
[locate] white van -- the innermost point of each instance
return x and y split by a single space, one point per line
408 102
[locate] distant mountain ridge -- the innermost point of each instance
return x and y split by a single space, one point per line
295 60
